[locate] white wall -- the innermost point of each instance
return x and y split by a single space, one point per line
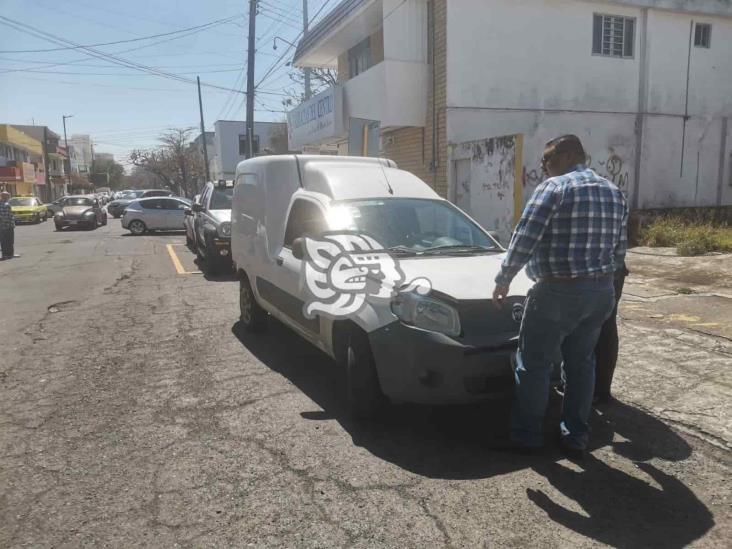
405 30
391 92
226 143
663 183
526 66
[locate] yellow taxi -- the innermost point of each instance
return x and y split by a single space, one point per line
28 209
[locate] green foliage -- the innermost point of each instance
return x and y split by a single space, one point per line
689 238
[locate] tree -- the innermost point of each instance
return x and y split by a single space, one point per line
107 173
139 178
319 80
174 162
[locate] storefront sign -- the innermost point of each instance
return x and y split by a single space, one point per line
29 173
316 120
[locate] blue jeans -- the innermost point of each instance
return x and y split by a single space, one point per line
569 316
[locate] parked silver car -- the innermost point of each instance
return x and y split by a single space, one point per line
155 214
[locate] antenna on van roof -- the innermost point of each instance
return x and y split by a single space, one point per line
386 179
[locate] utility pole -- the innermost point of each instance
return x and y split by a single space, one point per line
250 78
68 156
306 70
203 129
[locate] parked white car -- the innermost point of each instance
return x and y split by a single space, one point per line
433 337
155 214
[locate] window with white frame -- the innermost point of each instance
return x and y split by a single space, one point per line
613 35
703 35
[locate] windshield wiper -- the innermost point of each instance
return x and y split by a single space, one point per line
404 250
458 248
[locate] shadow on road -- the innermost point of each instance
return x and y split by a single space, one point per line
156 233
453 443
229 276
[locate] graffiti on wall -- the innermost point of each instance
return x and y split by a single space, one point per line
485 177
611 166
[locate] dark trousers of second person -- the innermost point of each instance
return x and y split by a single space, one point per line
568 314
606 351
7 241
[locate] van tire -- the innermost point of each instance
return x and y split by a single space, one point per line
364 399
251 315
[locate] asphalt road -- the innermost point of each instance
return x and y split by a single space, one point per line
135 412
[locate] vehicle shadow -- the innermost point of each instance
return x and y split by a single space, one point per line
230 276
155 233
454 443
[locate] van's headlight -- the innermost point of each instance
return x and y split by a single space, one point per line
225 229
426 313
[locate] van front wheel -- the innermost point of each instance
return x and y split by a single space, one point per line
251 314
363 392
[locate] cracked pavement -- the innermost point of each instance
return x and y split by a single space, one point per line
135 412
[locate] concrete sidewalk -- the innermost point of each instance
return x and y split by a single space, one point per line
676 340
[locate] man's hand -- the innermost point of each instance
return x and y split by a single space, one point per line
499 296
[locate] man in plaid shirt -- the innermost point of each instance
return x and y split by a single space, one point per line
571 238
7 226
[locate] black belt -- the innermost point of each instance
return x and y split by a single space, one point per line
563 279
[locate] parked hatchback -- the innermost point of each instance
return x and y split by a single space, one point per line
117 207
155 214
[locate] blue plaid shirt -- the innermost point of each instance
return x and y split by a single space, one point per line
574 225
7 219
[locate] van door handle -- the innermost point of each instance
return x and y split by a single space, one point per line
280 261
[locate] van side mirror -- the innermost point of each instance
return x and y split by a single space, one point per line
196 208
298 248
187 211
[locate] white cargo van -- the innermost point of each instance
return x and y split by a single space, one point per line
369 264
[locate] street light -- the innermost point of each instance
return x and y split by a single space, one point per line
305 71
274 42
68 156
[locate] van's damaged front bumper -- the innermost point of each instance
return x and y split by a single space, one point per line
426 367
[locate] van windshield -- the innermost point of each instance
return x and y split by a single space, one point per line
412 225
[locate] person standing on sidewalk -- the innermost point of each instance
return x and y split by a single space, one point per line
606 351
7 226
572 238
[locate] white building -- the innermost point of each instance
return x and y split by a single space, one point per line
466 93
83 145
230 144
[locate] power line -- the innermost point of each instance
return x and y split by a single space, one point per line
38 71
49 65
17 25
197 27
289 46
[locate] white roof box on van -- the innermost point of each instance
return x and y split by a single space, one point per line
344 177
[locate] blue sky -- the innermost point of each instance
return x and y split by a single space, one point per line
122 108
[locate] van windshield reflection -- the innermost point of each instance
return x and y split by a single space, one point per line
412 226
